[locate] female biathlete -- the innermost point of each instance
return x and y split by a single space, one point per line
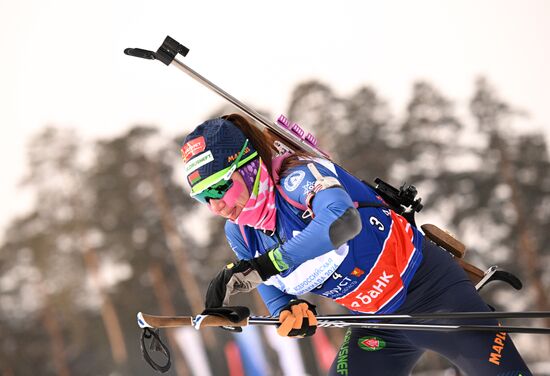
295 226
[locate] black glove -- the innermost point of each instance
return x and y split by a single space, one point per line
244 276
234 314
297 319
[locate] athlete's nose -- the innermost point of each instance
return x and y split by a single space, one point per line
216 205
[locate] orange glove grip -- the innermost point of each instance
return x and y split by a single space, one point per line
287 321
292 319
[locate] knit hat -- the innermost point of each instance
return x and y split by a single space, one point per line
211 148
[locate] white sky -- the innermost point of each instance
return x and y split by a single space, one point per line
62 61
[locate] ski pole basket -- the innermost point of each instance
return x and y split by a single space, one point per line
157 348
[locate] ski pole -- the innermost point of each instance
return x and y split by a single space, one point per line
151 325
442 315
435 327
199 321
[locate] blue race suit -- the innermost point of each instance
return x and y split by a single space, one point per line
371 273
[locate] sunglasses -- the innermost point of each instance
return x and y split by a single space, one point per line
217 185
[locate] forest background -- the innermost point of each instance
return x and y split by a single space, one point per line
113 231
105 227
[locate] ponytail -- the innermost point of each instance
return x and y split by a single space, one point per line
264 144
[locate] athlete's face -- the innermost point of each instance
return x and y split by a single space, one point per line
234 200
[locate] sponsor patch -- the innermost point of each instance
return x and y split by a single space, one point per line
343 287
357 272
233 157
342 366
371 343
198 162
194 177
294 180
498 346
192 148
311 273
308 187
369 292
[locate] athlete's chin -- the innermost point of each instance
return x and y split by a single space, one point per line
235 213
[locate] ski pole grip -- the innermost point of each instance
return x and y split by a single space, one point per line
152 321
179 321
211 320
228 317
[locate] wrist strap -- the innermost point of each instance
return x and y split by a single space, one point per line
269 264
234 314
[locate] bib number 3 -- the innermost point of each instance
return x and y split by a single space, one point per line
376 223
